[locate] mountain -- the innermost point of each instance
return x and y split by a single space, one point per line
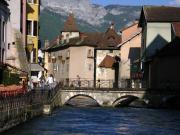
89 17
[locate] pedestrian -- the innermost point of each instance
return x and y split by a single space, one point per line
50 81
30 85
42 83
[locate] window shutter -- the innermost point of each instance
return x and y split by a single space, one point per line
34 55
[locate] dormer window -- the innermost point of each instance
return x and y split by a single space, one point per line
90 53
68 54
67 35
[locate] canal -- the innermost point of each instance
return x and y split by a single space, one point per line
102 121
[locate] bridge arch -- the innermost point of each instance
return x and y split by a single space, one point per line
92 98
124 100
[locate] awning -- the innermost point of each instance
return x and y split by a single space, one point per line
36 67
107 62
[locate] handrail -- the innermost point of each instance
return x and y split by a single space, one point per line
89 83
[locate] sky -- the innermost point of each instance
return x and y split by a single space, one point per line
137 2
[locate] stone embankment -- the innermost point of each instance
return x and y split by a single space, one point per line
20 108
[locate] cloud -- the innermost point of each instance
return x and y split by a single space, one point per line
175 3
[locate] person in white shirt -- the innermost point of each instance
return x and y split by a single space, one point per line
50 81
40 56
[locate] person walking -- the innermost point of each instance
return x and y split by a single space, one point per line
50 81
42 83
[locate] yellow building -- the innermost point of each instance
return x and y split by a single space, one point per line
32 25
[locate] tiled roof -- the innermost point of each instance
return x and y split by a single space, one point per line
126 27
109 39
161 14
70 24
107 62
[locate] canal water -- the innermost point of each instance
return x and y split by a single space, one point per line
102 121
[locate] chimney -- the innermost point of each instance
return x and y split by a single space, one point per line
62 39
58 40
67 38
46 43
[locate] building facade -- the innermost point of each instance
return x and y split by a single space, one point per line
32 25
157 32
74 55
130 52
4 19
16 36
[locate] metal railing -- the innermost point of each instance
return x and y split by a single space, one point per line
87 83
15 106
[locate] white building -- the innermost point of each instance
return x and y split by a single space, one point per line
74 53
4 19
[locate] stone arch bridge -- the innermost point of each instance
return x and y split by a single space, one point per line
113 98
102 97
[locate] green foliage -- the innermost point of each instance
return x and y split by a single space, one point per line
10 78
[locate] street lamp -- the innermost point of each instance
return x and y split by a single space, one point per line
30 47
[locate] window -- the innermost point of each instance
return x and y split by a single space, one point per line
110 51
67 68
90 67
4 32
32 1
9 46
102 71
35 30
90 53
49 58
68 54
34 55
29 27
32 28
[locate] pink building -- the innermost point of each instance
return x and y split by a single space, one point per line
130 52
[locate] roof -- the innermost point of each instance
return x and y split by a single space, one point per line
176 26
160 14
70 24
36 67
107 62
124 28
109 39
129 39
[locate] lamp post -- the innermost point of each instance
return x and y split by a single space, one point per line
116 68
30 47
